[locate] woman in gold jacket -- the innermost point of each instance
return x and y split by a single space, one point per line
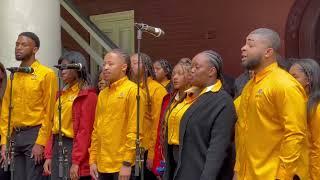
307 72
155 93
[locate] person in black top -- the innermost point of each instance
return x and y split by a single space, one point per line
207 126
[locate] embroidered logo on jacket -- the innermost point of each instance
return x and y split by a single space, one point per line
259 93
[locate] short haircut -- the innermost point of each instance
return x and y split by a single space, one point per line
269 35
32 36
124 56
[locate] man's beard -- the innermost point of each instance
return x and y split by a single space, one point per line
251 64
27 56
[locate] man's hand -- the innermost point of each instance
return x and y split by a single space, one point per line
235 177
37 153
3 152
94 171
47 166
74 172
125 173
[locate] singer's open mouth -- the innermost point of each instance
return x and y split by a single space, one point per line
106 73
243 57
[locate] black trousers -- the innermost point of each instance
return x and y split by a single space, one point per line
4 175
173 153
67 144
81 178
25 166
108 176
85 178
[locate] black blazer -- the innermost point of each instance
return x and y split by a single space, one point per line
206 133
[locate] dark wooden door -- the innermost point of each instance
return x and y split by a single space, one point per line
303 30
317 40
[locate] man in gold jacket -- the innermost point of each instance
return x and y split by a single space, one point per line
271 127
33 102
112 151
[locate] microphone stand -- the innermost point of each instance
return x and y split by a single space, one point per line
62 158
10 141
139 149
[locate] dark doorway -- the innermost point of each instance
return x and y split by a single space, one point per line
318 41
303 30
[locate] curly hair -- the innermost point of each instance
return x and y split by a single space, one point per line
185 64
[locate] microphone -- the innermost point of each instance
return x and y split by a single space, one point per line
76 66
28 70
157 32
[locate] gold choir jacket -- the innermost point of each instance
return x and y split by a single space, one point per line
78 112
115 127
151 120
175 114
314 139
67 97
166 83
33 102
271 130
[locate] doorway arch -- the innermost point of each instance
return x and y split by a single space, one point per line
302 30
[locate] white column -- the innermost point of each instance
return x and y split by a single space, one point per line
39 16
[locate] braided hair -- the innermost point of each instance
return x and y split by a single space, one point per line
147 65
148 71
216 60
312 70
166 66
